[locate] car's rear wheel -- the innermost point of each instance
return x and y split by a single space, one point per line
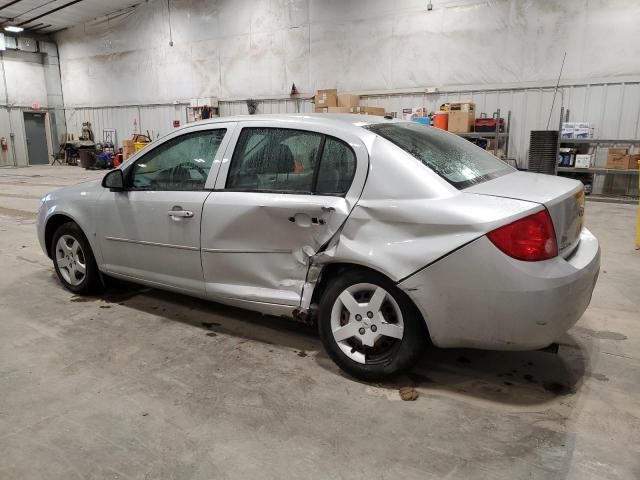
369 327
74 261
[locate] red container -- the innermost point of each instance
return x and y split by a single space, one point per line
441 120
484 124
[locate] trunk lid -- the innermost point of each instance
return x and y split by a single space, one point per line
563 198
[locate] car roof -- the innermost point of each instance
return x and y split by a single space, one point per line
329 119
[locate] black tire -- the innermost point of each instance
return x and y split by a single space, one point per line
400 356
90 283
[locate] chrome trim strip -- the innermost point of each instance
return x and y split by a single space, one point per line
242 250
153 244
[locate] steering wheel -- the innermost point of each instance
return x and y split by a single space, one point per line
181 173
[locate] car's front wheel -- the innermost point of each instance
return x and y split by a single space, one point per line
74 261
369 327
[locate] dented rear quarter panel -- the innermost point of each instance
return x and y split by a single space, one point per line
408 217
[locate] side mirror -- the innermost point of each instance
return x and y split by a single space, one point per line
114 181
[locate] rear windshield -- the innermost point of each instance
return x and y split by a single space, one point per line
455 159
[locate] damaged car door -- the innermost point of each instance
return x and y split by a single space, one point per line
281 195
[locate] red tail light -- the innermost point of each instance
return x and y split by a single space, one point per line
530 239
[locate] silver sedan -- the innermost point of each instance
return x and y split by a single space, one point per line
389 235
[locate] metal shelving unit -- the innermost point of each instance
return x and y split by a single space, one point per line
617 171
500 138
598 141
593 144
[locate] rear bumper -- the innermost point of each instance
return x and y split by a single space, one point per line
479 297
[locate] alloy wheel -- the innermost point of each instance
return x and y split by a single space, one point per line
70 260
367 323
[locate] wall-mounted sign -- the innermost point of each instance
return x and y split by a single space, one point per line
35 106
176 123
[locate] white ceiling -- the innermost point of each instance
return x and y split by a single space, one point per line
14 12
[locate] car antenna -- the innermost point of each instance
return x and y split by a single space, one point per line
555 91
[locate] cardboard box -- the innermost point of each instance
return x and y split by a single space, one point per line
338 109
583 161
368 110
618 151
410 114
567 133
321 109
633 161
617 161
583 133
348 100
326 98
462 116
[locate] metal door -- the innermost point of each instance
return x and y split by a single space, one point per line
36 135
153 233
256 245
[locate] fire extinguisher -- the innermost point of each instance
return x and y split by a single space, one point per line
3 144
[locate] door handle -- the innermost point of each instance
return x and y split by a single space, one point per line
180 213
328 209
304 220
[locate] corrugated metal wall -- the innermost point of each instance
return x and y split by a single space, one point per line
12 120
156 119
614 108
239 107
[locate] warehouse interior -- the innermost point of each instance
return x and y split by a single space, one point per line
141 383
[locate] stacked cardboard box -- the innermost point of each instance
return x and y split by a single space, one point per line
581 130
328 101
325 99
128 148
462 116
368 110
348 101
620 158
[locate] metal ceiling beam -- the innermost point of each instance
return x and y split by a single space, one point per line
7 5
52 32
54 10
39 28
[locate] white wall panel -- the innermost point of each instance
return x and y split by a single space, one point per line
258 48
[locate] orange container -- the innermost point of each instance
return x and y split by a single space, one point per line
441 120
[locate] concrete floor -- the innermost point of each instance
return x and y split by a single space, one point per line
144 384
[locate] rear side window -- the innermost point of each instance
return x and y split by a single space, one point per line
458 161
337 168
274 159
290 161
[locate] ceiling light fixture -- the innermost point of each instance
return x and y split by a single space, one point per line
14 29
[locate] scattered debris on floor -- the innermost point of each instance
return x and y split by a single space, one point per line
408 394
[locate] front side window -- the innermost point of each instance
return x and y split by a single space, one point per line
290 161
182 163
458 161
